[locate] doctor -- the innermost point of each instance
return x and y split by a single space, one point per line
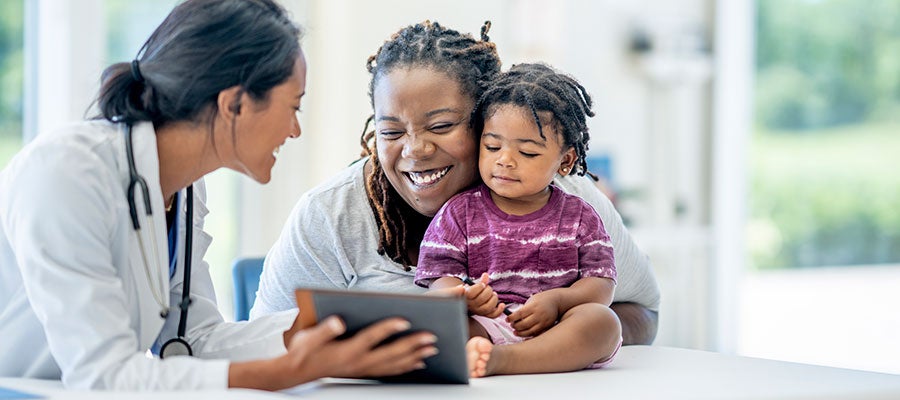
101 222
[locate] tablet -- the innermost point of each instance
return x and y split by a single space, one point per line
445 317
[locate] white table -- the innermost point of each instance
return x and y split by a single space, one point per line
639 372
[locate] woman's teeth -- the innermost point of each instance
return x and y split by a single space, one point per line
275 152
427 178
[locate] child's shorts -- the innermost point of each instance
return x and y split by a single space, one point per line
502 333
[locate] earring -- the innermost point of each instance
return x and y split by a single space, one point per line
565 170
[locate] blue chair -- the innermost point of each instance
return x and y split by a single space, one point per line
245 272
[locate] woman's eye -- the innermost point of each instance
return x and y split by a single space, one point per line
441 128
390 134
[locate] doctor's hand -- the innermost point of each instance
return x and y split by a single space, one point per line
315 353
363 355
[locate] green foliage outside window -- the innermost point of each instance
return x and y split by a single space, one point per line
11 77
824 184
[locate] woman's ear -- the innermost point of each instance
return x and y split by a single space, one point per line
568 162
229 102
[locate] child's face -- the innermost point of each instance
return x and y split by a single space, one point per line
514 161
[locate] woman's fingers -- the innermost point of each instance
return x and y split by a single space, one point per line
379 331
400 356
317 335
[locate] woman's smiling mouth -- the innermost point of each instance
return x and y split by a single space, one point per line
427 178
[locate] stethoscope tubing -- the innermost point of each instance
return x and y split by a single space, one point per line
188 243
136 181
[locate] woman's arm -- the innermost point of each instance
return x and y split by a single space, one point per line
639 324
636 283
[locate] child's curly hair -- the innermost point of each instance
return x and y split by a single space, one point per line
541 89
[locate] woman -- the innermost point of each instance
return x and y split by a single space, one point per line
362 229
84 293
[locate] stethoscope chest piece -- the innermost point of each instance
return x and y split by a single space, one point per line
175 347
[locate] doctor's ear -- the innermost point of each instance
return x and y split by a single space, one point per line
229 102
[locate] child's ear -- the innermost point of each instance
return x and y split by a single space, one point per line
568 162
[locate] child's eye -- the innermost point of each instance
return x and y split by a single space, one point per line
491 148
529 155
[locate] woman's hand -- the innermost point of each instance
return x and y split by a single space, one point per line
314 353
538 314
361 356
482 299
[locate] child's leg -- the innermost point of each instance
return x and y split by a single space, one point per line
585 334
476 329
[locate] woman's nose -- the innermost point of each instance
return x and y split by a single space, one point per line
296 130
417 146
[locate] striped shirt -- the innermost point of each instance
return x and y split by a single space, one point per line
523 254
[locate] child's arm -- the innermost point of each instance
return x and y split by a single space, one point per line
480 297
542 310
585 290
596 266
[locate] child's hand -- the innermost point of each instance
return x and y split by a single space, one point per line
538 314
482 300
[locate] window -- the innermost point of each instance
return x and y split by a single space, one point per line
823 230
130 23
12 16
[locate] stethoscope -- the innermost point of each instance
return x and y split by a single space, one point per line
177 346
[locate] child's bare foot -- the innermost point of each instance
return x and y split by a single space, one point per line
478 353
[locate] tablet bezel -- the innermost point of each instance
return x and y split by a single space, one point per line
443 316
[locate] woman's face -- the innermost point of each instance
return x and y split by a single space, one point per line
263 126
424 141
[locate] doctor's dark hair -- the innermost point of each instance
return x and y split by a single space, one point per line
200 49
539 89
470 62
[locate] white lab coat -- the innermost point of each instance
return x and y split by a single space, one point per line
75 301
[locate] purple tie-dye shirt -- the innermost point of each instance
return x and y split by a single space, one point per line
523 254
